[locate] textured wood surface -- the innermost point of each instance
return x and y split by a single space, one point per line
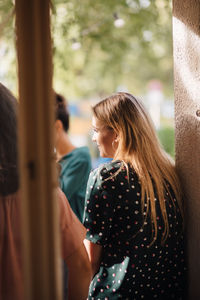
40 228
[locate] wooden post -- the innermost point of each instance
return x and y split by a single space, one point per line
38 176
186 37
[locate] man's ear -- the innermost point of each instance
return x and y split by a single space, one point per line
58 125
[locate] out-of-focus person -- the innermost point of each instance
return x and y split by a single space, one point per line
71 230
75 162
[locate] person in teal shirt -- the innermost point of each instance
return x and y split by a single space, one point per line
75 162
75 169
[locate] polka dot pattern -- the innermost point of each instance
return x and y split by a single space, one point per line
132 268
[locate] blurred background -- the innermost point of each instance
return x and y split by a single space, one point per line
100 47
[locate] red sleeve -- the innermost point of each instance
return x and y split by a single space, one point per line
72 231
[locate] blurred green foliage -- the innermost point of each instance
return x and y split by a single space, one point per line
93 57
166 137
109 56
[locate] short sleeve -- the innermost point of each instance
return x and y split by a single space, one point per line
72 231
99 209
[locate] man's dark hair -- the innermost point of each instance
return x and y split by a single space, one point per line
62 112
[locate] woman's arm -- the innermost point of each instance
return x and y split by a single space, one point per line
94 252
79 270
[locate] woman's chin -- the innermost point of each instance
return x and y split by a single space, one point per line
102 155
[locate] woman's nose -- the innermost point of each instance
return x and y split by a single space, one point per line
92 135
93 138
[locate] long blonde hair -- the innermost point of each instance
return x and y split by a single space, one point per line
140 149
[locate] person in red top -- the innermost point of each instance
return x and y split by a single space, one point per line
72 231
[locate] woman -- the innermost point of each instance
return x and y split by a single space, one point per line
75 162
133 214
72 231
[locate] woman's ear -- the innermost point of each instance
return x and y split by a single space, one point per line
116 137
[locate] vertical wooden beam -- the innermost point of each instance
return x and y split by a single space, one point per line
38 180
186 39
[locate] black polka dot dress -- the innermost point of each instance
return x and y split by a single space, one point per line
131 267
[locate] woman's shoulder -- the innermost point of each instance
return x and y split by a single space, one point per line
112 166
109 168
114 171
